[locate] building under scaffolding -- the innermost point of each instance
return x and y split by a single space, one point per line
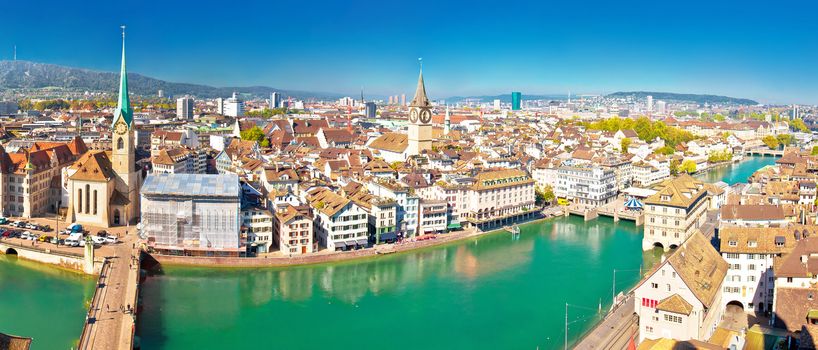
192 214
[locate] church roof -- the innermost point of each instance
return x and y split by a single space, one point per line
392 142
93 166
420 99
123 108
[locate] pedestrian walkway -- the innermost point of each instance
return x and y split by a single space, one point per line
614 331
111 315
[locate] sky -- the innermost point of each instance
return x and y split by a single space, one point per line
764 50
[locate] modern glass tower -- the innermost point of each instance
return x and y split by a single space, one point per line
516 100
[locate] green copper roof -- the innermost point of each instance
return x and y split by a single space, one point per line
123 107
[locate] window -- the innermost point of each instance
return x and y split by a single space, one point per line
673 318
654 285
120 143
732 243
752 244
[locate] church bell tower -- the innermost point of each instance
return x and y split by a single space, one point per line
420 119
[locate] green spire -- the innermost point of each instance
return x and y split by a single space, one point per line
123 107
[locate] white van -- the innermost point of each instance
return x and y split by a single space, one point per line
74 240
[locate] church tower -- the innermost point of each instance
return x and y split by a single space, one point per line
122 138
420 119
123 158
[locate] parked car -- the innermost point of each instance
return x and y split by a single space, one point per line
20 224
4 220
111 239
27 235
45 228
5 233
98 240
102 233
74 228
44 238
75 240
32 226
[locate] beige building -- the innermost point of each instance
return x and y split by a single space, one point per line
31 181
498 197
292 230
681 298
675 212
103 186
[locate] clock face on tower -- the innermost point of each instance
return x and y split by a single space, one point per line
413 115
425 116
121 128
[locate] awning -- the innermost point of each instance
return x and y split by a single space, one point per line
454 226
341 245
362 242
389 235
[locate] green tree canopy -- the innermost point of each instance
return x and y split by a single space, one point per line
253 134
771 141
688 166
798 124
624 144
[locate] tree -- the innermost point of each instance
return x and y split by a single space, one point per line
666 150
688 166
545 195
624 144
814 150
253 134
771 141
785 139
720 156
798 124
674 167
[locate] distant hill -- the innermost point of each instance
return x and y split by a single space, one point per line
506 98
669 96
32 75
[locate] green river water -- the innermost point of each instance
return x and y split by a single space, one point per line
487 293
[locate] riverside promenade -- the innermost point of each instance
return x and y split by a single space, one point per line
614 331
111 314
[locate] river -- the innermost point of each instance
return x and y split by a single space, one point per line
486 293
737 172
43 302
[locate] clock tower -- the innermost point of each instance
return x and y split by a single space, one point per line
420 119
122 137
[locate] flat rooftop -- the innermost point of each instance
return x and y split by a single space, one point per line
194 185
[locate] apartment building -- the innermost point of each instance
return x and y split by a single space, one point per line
682 298
339 223
498 197
293 230
674 212
586 184
750 254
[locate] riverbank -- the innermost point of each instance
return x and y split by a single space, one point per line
54 256
332 257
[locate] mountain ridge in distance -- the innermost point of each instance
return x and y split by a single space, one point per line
34 75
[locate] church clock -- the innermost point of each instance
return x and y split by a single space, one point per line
425 116
121 128
413 115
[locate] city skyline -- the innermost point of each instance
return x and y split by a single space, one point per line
552 48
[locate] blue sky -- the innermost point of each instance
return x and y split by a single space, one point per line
766 50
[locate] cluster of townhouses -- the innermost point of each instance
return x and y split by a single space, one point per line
742 267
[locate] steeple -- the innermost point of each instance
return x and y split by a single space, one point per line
123 107
420 99
447 122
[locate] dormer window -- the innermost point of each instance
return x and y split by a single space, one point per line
752 244
665 198
732 243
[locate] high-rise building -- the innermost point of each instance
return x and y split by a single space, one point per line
233 107
161 93
661 107
371 110
516 100
650 103
420 118
391 100
220 106
497 104
275 100
184 107
403 99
